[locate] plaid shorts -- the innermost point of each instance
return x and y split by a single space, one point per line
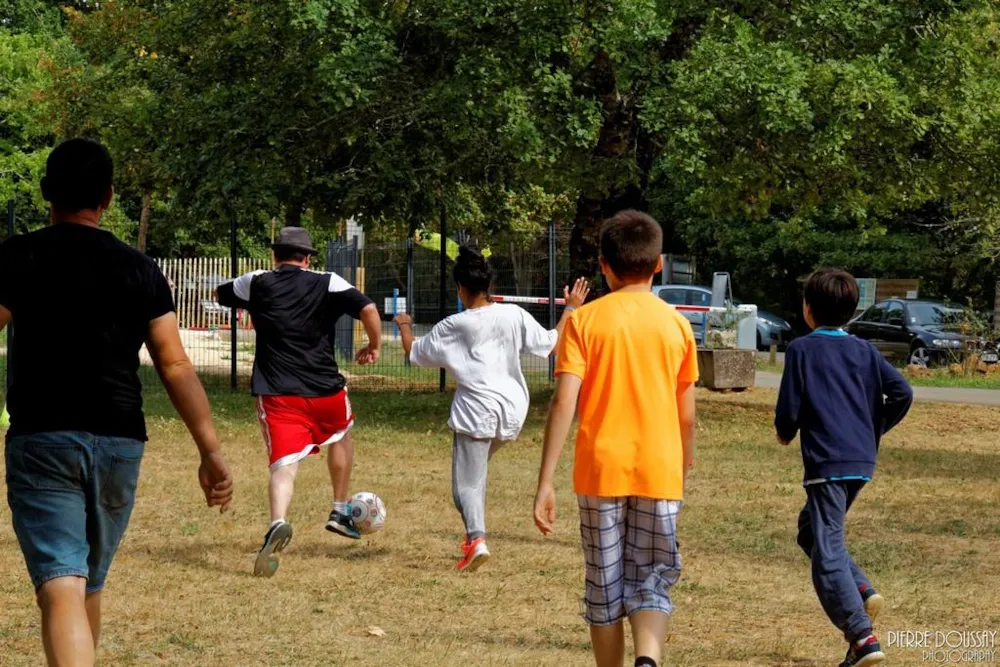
630 547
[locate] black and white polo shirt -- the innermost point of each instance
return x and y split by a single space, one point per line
294 312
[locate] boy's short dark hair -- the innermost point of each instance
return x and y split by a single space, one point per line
472 271
78 175
832 296
289 255
631 244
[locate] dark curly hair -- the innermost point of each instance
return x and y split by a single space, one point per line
472 271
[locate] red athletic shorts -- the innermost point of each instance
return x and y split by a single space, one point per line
295 427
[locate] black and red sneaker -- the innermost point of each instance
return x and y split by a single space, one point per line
868 652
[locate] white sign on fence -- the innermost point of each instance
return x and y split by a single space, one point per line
400 305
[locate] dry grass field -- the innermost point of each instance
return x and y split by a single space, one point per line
181 593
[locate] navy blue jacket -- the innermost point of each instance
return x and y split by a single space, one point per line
841 396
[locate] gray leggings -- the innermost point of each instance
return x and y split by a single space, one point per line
469 462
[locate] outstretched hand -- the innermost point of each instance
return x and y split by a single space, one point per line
216 481
578 295
403 319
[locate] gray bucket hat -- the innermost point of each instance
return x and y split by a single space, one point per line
295 238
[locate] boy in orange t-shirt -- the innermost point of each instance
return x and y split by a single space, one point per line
628 362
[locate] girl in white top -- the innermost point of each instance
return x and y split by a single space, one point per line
482 348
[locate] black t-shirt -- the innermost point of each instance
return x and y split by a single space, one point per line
81 302
294 312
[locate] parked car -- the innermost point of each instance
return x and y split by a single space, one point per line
919 332
771 329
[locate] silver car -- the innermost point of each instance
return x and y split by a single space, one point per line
771 329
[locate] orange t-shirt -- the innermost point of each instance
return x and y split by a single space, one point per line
631 349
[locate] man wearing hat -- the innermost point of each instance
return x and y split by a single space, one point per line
301 395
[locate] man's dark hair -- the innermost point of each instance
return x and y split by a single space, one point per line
78 175
472 271
631 244
832 296
289 254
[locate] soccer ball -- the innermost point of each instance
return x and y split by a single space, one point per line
368 512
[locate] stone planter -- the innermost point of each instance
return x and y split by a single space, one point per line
727 369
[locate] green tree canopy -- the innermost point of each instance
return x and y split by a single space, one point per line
767 136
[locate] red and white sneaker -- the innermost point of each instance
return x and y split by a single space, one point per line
474 555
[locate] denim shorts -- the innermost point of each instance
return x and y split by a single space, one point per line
71 495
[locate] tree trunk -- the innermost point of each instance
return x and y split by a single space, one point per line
617 141
622 138
147 206
293 214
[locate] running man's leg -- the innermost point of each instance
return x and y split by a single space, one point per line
332 420
51 493
66 630
340 462
288 437
93 604
280 490
284 424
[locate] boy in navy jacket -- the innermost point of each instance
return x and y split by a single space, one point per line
840 396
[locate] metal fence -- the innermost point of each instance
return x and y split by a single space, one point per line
404 276
399 276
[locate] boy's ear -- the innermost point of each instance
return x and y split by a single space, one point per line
659 265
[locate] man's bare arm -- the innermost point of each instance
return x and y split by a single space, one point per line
372 323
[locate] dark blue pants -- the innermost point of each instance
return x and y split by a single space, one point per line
838 580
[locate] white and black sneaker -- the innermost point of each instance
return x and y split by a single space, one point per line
277 538
342 524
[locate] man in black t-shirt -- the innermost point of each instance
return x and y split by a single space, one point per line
301 395
77 430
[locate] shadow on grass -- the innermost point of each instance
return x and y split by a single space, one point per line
198 555
538 638
341 550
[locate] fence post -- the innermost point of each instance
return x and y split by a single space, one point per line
442 277
411 295
234 269
552 292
